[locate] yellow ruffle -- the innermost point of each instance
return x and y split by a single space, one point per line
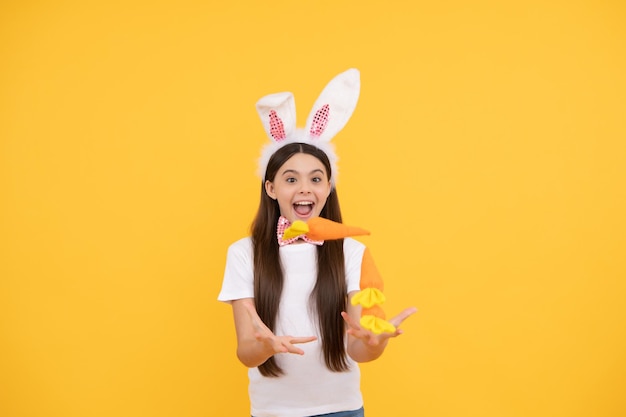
377 325
368 297
297 228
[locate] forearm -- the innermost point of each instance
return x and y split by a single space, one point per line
361 351
253 353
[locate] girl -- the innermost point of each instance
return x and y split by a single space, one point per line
296 330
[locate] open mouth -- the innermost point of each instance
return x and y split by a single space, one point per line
303 208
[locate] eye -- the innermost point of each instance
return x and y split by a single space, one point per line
290 179
316 179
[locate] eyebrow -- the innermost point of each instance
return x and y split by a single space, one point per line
293 171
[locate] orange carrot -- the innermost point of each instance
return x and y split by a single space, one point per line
324 229
374 311
370 277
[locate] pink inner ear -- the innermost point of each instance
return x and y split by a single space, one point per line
277 129
320 120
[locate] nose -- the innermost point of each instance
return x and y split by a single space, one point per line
304 188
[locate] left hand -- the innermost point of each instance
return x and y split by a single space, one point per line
370 338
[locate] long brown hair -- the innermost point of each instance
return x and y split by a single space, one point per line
329 295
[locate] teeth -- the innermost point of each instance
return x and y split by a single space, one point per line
303 203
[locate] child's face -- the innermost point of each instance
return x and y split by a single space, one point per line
301 187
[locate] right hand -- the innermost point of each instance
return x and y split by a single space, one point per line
278 344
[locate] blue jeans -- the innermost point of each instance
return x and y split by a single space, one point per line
354 413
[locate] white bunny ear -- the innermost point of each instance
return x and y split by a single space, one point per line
278 115
334 106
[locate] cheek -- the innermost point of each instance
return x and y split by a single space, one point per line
323 196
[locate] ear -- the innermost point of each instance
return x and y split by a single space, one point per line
334 106
278 115
269 189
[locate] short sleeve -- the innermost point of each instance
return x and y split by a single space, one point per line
238 274
353 254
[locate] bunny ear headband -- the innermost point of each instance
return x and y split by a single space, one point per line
329 115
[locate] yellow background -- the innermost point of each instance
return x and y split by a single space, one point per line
487 155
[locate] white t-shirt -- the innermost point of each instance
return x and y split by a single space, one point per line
307 386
